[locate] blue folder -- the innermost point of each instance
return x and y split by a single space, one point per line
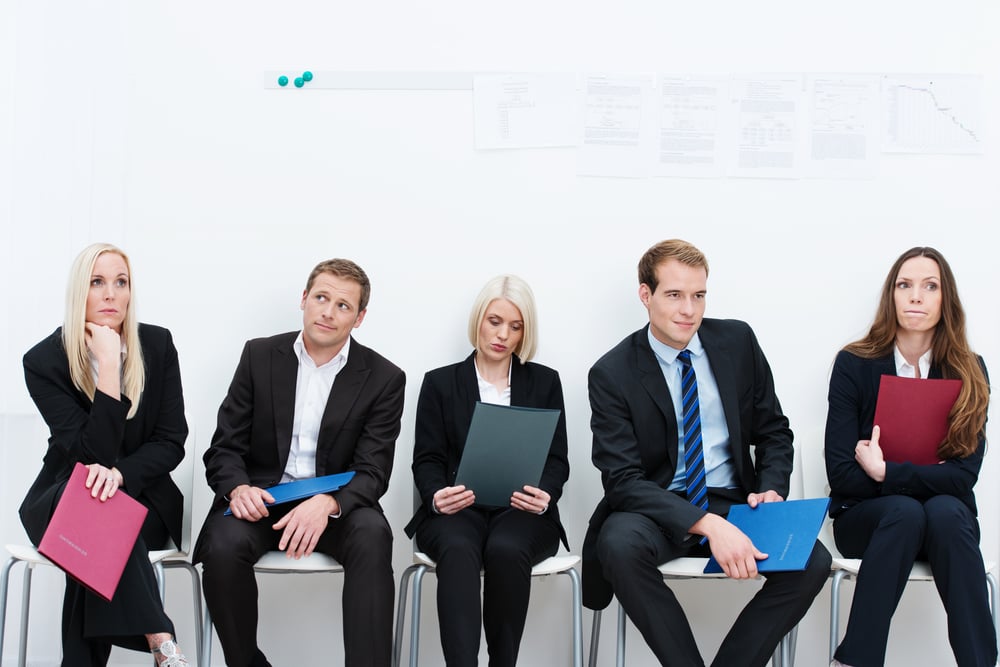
306 488
785 531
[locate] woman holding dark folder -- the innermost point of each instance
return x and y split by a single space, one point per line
463 537
109 390
891 513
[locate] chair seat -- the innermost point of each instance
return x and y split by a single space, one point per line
688 567
277 561
28 554
921 570
551 565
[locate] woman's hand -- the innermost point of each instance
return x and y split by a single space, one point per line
533 500
104 342
868 454
452 499
103 482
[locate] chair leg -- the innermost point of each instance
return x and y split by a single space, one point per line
22 652
397 642
620 651
838 576
577 617
206 639
418 584
595 638
4 580
991 584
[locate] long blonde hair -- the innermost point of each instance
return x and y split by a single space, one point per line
74 331
950 351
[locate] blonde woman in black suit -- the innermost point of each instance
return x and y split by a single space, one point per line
109 390
464 539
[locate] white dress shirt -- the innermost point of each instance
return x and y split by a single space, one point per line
312 392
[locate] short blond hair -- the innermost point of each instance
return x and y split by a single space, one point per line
517 291
74 330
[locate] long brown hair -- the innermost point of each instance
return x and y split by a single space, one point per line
950 352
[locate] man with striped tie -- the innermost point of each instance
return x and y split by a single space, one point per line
686 424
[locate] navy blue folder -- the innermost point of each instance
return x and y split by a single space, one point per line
306 488
785 531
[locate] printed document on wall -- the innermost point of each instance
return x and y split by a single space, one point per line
767 113
525 110
843 126
619 126
933 113
691 137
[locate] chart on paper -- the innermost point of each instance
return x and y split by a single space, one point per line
933 114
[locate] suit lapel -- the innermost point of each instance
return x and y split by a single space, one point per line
721 362
467 386
346 388
285 367
650 376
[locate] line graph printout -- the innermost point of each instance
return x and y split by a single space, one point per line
768 114
619 125
933 114
691 137
843 126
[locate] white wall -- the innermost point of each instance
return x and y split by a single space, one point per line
146 124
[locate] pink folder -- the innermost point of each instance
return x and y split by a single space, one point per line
89 539
912 416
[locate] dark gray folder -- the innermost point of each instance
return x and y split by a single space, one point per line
506 449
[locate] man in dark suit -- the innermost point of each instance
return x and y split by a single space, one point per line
301 405
676 408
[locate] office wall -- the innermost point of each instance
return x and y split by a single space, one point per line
148 125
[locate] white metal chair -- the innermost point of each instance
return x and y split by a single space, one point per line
677 570
847 569
422 564
175 557
273 562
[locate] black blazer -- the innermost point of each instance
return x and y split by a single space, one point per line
854 385
145 448
448 397
636 435
358 431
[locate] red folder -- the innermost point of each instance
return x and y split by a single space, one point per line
912 416
89 539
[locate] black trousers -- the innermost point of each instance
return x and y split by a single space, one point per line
891 532
631 546
503 544
91 625
361 541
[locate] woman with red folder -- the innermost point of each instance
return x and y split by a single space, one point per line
109 390
890 514
465 538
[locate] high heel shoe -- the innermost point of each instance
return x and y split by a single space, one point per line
172 656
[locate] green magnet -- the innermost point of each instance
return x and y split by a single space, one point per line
307 76
299 82
282 80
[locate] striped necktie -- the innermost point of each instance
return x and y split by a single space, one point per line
694 456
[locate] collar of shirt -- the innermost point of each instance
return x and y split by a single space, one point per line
305 360
905 370
669 354
488 393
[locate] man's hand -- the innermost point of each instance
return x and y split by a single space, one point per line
304 525
731 547
452 499
768 496
249 502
